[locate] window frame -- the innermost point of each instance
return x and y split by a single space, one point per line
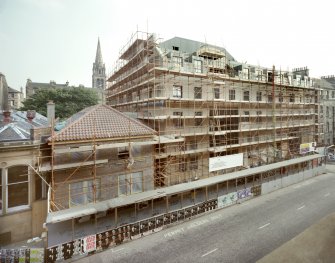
98 190
5 190
177 91
197 93
232 94
246 95
216 92
129 185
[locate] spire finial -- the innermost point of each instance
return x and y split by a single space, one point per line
98 56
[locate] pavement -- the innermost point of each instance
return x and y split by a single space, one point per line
315 244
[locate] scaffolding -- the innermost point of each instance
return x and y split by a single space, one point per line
219 107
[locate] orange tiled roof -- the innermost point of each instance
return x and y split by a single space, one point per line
100 122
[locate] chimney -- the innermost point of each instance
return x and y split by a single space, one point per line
6 116
50 112
31 115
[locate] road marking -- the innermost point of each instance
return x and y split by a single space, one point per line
327 194
204 255
117 250
175 232
264 226
301 207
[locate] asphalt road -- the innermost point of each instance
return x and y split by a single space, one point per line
242 233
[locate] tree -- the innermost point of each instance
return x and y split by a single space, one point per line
68 101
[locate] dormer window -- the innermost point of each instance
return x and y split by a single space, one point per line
175 48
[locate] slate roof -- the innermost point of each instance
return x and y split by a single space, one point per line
18 128
11 90
38 121
190 46
100 122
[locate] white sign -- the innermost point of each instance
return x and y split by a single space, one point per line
89 243
307 147
224 162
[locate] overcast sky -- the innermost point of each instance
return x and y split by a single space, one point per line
56 39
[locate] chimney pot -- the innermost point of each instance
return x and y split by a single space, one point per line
6 115
31 114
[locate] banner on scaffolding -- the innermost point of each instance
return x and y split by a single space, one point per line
307 147
225 162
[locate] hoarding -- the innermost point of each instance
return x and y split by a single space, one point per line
224 162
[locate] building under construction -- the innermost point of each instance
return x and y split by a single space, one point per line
218 132
216 105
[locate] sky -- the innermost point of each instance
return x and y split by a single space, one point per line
56 39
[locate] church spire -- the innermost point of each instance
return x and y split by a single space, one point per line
98 56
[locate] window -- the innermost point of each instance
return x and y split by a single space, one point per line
193 145
197 66
193 162
175 48
280 97
259 96
246 96
231 94
292 99
82 193
246 119
130 183
17 187
123 153
269 97
178 122
177 91
182 166
333 94
177 62
197 92
197 121
0 191
216 93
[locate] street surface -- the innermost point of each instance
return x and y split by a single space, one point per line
242 233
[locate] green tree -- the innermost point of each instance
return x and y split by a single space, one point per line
68 101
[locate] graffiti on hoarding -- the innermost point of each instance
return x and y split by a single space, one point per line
226 200
244 193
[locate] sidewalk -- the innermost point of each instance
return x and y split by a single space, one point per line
315 244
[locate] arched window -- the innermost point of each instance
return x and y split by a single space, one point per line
17 187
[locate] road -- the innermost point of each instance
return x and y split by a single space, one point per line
242 233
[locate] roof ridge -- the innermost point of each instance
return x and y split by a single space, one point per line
131 119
